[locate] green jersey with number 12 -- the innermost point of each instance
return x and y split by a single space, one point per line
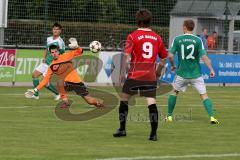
189 49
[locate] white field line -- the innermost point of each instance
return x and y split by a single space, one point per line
175 157
229 105
21 107
9 107
225 98
114 93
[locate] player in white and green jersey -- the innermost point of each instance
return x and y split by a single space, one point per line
189 49
47 59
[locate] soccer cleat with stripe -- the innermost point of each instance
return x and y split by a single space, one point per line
169 119
57 97
213 120
34 97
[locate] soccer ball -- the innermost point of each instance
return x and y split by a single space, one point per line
95 46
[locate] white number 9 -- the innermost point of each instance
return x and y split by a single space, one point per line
147 48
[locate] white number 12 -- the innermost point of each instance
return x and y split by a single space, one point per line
190 56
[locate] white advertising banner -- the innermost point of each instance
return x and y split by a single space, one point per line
110 69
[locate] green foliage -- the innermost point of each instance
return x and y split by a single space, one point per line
110 11
108 21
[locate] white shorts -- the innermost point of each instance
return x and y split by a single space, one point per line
42 68
180 84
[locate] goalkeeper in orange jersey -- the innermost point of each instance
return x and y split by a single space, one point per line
62 66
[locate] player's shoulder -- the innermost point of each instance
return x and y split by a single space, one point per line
155 34
183 36
178 37
50 38
60 38
196 37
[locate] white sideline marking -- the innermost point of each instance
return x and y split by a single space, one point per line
114 93
20 107
176 157
15 107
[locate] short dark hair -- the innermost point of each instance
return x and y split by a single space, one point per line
189 24
143 18
214 32
57 25
53 46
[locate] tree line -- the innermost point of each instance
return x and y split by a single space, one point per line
106 11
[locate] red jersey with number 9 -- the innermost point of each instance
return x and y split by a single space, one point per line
144 45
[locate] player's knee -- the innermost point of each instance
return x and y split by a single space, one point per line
125 97
35 75
151 101
204 96
175 92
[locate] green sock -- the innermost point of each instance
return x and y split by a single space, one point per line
171 104
51 88
208 106
35 84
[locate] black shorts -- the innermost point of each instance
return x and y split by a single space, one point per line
145 88
79 88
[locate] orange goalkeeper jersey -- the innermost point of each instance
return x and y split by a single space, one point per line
63 68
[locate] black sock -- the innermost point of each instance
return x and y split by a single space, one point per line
123 111
153 117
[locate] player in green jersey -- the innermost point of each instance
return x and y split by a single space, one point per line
189 49
55 39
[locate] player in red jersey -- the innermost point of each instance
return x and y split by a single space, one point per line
142 46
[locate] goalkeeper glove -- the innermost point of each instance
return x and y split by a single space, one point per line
30 93
73 44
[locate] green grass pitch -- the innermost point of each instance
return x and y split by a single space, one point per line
29 129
